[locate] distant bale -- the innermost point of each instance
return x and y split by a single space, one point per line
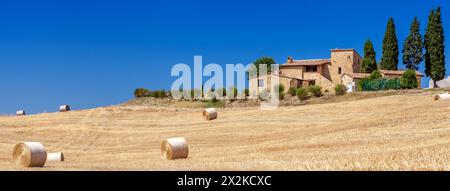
209 114
20 113
174 148
59 156
444 96
64 108
29 154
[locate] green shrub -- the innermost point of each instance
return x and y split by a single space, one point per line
246 92
184 93
281 89
378 84
157 94
315 90
234 91
152 94
409 80
263 95
160 94
192 92
302 94
292 91
376 74
359 88
141 92
393 84
222 91
340 89
195 91
363 82
372 85
281 96
214 103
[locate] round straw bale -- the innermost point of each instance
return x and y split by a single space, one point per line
20 112
444 96
64 108
174 148
59 156
29 154
210 114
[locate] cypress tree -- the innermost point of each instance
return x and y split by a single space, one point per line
389 60
427 39
438 67
412 47
434 46
369 62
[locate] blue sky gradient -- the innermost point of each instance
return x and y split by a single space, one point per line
95 53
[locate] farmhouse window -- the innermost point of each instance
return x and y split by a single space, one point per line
311 69
260 83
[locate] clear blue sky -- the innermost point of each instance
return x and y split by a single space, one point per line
95 53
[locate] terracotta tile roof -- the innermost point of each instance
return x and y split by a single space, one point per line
313 62
358 75
398 72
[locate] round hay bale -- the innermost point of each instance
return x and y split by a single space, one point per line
64 108
29 154
59 156
444 96
20 112
209 114
174 148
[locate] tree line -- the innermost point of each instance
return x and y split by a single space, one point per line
413 48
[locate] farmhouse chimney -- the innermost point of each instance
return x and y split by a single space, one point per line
289 59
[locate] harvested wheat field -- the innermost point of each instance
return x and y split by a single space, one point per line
396 132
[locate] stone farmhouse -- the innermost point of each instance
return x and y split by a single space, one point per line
343 67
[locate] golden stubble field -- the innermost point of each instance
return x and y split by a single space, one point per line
399 132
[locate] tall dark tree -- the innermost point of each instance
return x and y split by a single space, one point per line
389 60
434 47
426 41
412 47
369 61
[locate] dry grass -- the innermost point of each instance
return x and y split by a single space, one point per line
398 132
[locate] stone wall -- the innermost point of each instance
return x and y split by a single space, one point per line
357 62
253 85
343 59
320 80
293 71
